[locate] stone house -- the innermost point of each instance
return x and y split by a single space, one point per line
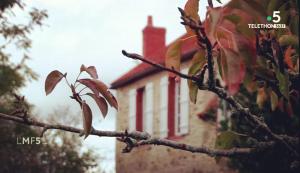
152 101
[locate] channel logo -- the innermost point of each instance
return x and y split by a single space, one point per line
275 18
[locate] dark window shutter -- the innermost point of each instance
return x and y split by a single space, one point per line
139 109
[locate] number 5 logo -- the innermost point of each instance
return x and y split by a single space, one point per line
276 17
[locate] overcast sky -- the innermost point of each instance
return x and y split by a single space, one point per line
93 32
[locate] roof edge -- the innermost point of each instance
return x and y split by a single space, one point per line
151 70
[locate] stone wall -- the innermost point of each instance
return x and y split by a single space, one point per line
148 159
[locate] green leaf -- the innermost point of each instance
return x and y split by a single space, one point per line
219 1
219 62
273 6
289 40
274 100
227 140
245 30
249 6
198 62
294 25
173 56
234 18
283 80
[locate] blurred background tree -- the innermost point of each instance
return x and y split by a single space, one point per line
63 152
281 116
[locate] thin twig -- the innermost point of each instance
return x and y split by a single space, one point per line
139 57
82 90
67 81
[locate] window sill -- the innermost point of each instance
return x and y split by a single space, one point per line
176 138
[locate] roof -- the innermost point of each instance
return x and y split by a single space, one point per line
142 70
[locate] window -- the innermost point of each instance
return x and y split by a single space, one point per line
174 111
141 109
171 107
132 110
148 109
183 106
163 121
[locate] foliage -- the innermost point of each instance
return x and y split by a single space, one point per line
15 36
29 158
100 93
259 67
61 153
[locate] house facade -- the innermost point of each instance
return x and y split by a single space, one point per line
152 101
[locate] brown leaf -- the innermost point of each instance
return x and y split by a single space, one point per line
90 84
261 97
173 56
100 102
99 87
103 89
191 9
87 119
198 62
51 81
91 70
274 100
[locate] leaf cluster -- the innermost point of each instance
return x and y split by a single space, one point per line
99 93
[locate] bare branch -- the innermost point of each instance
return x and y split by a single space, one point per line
141 58
136 139
32 122
210 3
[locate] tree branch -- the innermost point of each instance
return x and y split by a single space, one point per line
221 92
210 3
136 139
202 40
32 122
141 58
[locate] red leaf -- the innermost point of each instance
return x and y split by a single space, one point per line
100 102
87 119
51 81
91 70
213 17
233 69
90 84
99 87
288 57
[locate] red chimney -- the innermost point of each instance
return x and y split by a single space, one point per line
154 41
